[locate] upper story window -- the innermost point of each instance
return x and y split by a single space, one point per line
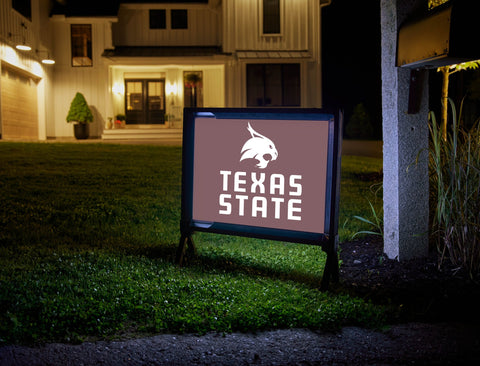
81 43
271 17
24 7
179 18
158 19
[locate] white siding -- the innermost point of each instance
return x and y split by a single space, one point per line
133 28
243 26
92 81
214 88
299 36
12 32
11 29
93 84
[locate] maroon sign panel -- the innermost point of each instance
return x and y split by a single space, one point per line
267 173
261 172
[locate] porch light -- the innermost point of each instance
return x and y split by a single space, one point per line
172 88
46 60
22 44
118 88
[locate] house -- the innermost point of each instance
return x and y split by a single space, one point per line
147 60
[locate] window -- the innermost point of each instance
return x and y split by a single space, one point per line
24 7
179 19
271 16
81 44
273 85
158 19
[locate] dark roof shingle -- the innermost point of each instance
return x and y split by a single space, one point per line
163 51
86 8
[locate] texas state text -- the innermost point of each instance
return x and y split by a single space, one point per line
261 195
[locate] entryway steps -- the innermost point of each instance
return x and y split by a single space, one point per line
143 134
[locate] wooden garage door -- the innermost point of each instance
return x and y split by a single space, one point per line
19 105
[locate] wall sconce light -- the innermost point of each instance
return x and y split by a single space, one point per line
172 88
46 60
118 88
22 44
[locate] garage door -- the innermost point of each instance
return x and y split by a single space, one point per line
18 105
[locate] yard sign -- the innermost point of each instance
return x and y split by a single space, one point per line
264 173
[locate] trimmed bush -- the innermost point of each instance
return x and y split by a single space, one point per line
79 110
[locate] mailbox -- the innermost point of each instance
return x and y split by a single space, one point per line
445 36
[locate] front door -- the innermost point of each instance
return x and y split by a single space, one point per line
145 101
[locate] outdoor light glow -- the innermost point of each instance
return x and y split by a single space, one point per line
11 56
118 88
172 88
23 47
37 69
47 60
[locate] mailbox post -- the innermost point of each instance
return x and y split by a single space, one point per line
413 42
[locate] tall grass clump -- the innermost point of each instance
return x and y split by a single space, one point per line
455 185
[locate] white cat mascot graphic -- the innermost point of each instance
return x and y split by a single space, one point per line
260 148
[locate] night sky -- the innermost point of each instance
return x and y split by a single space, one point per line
351 58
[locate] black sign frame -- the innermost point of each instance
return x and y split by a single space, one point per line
328 240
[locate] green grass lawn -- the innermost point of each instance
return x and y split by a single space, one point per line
88 234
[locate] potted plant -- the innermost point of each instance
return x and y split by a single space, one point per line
81 115
120 120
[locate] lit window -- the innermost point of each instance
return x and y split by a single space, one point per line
81 45
158 19
179 19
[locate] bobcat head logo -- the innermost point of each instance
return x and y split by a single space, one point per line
260 148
